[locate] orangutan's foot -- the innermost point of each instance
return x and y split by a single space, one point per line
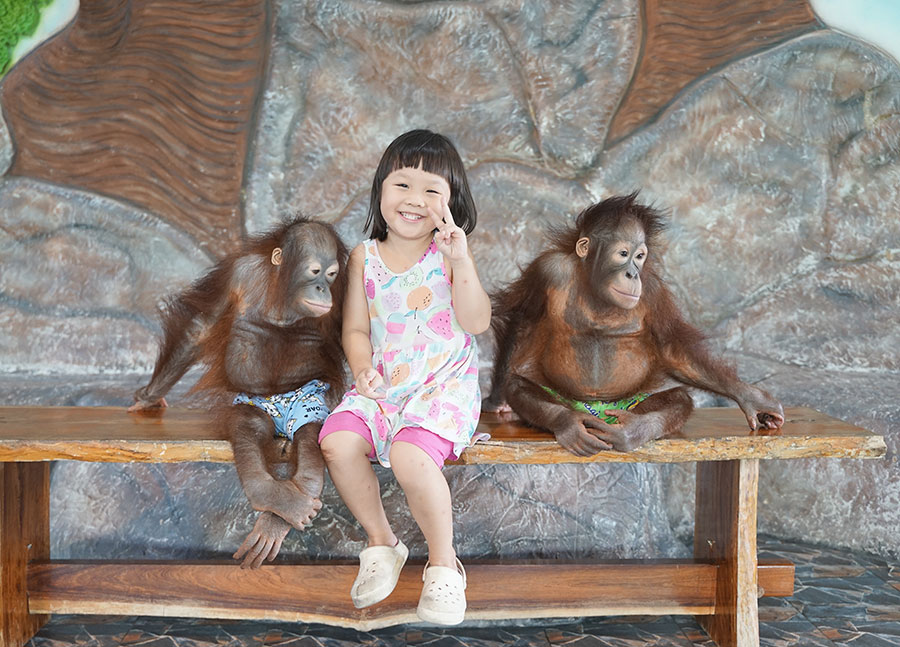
264 541
285 500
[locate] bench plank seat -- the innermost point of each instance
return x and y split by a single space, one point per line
109 434
720 585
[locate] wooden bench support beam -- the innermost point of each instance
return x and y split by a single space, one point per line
320 592
24 536
725 533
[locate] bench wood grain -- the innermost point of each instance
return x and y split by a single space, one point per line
110 435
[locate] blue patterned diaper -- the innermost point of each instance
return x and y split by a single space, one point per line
293 409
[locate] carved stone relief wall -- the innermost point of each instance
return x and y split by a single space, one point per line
150 103
144 139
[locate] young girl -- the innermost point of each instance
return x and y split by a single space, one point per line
413 304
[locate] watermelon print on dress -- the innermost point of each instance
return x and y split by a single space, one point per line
441 324
428 362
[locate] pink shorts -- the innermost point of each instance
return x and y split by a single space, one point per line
440 449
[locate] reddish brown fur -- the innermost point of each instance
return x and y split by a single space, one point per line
587 347
248 320
325 329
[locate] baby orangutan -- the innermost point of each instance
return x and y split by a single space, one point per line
266 321
589 340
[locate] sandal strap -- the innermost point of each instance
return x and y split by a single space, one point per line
442 574
373 554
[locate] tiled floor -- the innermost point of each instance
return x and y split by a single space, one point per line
840 599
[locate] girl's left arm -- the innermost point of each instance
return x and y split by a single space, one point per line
471 304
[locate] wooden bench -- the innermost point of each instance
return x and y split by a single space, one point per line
720 584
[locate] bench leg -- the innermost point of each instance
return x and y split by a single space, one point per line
24 536
725 533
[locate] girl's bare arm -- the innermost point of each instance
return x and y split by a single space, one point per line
355 331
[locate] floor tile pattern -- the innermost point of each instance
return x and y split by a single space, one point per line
840 599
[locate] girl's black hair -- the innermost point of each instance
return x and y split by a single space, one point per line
437 155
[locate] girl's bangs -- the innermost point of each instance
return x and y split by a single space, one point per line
431 160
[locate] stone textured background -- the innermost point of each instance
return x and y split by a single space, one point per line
779 164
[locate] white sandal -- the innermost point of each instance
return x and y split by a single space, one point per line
379 570
443 599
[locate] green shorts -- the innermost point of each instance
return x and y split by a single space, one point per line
598 407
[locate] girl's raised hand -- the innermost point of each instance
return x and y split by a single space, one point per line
450 238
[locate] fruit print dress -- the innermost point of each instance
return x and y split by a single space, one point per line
428 362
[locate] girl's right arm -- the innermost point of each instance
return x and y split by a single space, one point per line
355 330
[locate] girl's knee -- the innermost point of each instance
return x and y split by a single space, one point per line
409 461
343 445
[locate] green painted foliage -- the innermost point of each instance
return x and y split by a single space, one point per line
18 18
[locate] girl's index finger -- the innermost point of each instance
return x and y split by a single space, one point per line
449 223
438 222
448 217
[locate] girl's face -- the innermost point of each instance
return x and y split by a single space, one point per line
406 195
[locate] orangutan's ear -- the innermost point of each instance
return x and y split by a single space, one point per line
582 246
276 256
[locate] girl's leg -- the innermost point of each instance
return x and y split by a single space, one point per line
347 457
428 496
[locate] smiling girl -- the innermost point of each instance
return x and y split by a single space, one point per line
414 303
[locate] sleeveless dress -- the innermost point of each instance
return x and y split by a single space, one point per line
428 362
